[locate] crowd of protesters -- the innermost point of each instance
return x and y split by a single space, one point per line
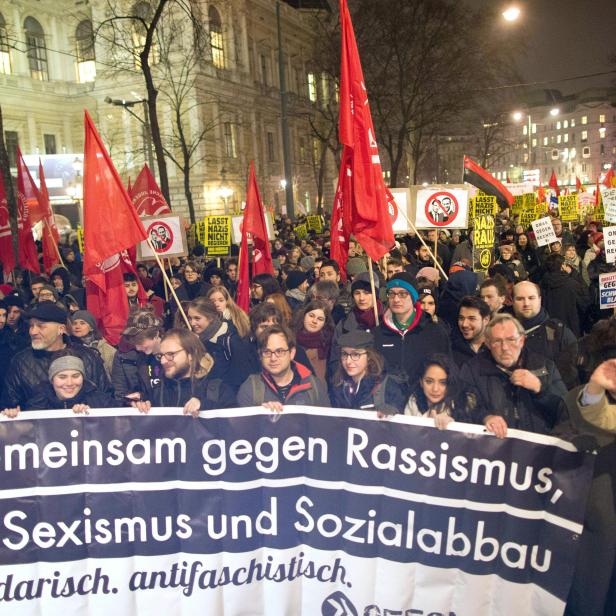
521 346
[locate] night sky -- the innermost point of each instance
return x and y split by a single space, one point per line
566 38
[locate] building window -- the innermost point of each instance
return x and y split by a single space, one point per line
525 130
230 134
5 50
312 87
324 88
545 141
271 149
534 129
84 42
602 118
584 135
11 141
558 125
554 154
50 144
586 152
534 143
566 138
216 38
265 76
602 149
584 119
558 138
572 123
566 124
602 133
36 50
143 11
302 151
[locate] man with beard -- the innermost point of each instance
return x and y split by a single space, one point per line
185 381
473 318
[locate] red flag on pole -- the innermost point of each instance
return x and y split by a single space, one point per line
553 183
26 198
51 237
253 223
340 227
370 222
147 196
608 180
111 225
7 255
541 194
578 185
597 194
242 295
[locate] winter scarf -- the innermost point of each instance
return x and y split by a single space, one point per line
320 340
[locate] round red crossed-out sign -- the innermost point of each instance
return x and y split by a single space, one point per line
441 208
161 235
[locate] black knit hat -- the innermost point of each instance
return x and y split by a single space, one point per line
356 339
49 312
295 278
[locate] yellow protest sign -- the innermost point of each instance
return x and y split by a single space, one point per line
484 205
483 242
80 238
527 216
217 235
301 231
568 207
314 222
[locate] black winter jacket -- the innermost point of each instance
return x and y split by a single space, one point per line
45 399
134 371
521 408
29 369
565 299
374 394
212 393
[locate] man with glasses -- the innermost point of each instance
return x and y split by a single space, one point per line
185 380
406 334
282 380
516 388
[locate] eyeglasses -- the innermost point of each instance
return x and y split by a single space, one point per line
45 295
256 286
169 355
502 342
354 356
400 294
277 353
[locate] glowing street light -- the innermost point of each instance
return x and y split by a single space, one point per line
511 14
517 116
555 111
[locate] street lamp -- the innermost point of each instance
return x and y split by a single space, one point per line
147 130
511 14
225 192
554 111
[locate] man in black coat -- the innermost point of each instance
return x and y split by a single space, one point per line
544 335
518 388
406 334
30 366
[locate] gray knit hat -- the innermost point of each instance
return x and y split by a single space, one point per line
66 362
86 316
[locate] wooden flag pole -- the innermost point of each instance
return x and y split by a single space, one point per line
436 249
54 243
162 269
421 239
373 289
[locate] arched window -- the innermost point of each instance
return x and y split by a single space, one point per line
5 50
143 10
216 38
36 49
84 42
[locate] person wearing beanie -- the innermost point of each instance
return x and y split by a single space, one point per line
47 293
66 388
361 382
429 273
406 333
83 329
16 322
297 285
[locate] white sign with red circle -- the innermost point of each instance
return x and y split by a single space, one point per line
167 235
441 208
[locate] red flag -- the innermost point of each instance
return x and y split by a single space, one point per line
7 255
147 196
51 237
540 194
578 185
597 195
608 180
340 227
111 225
26 197
370 222
242 295
129 186
553 183
36 207
253 223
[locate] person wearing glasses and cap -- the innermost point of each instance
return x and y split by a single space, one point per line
282 380
406 333
360 382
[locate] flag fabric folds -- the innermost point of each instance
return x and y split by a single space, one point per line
363 192
553 183
51 237
253 223
609 181
147 196
111 226
340 223
7 255
26 199
484 181
579 186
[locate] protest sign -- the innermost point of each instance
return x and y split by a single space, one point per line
520 188
483 242
315 222
440 207
568 207
168 236
609 241
301 231
217 235
402 199
607 290
233 513
544 231
609 204
528 216
484 205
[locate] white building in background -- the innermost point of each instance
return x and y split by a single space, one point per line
52 68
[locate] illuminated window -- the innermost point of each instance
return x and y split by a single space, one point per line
602 133
584 119
312 87
5 50
566 138
584 135
216 38
534 143
602 118
558 125
36 49
230 131
554 154
545 141
558 138
84 42
586 152
573 123
566 124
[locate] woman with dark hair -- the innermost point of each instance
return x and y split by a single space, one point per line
83 329
314 329
263 285
193 284
428 297
528 256
360 382
440 395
